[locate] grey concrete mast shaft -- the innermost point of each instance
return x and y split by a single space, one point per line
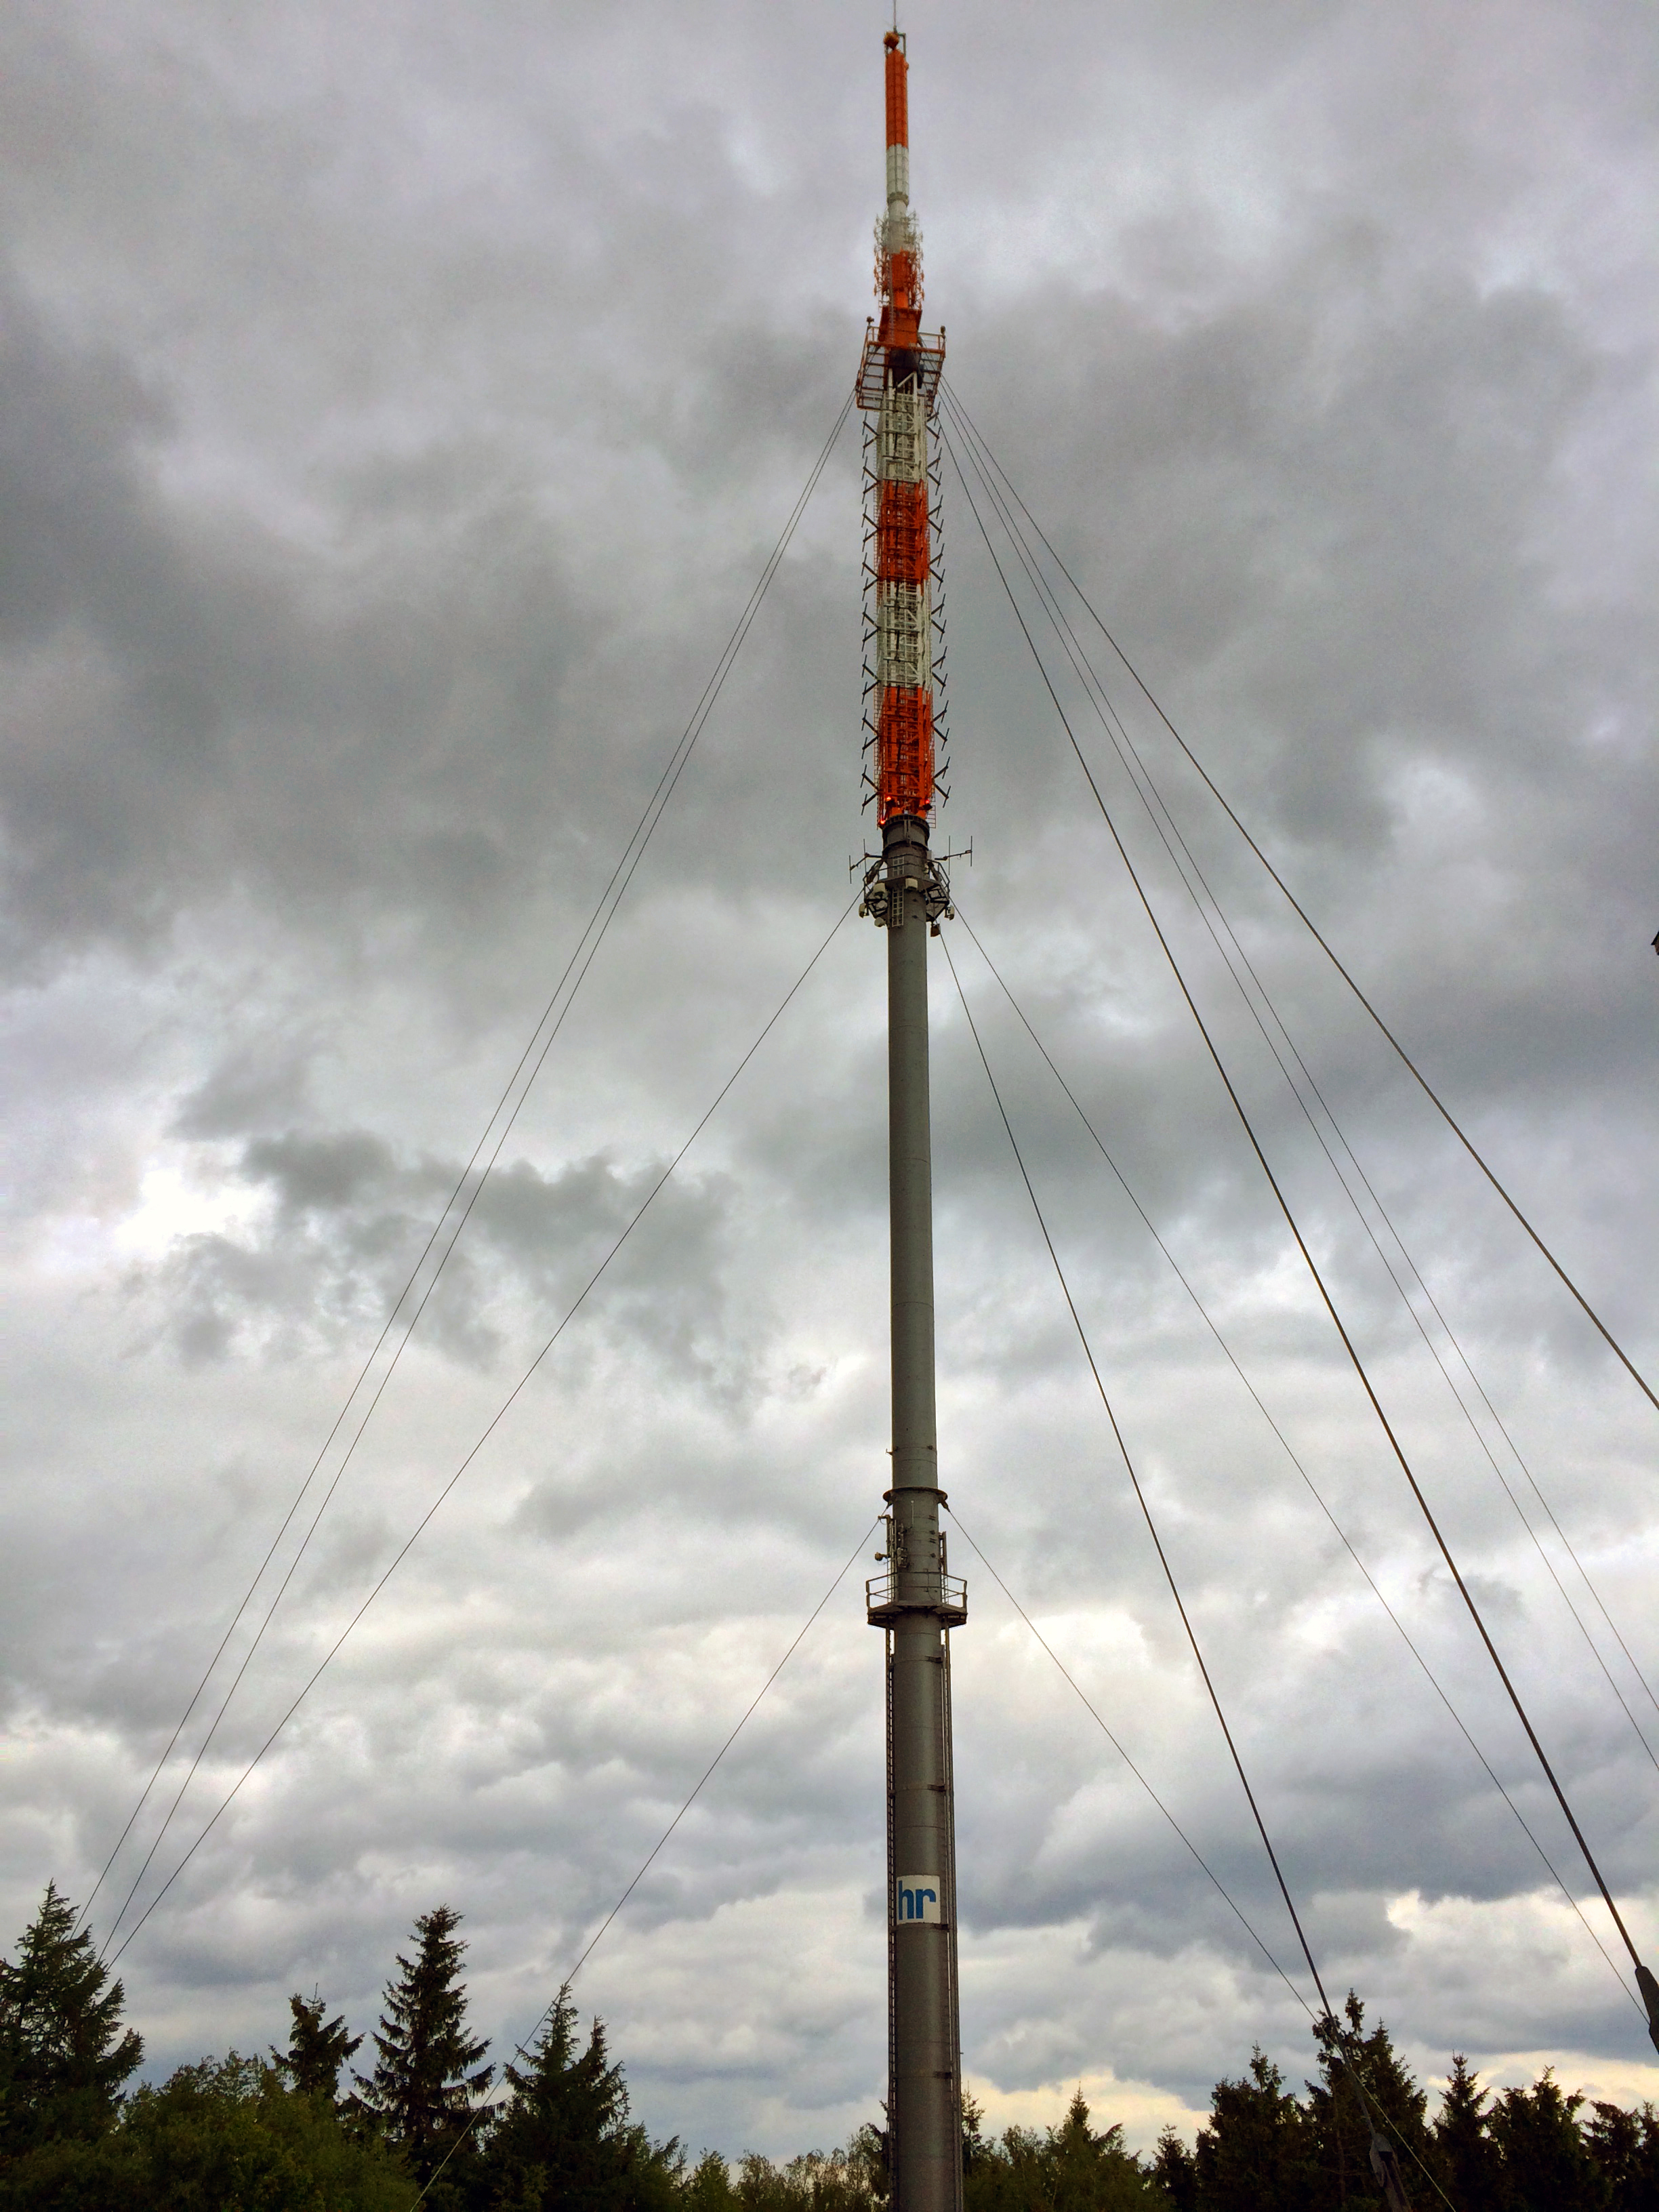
925 2090
910 1162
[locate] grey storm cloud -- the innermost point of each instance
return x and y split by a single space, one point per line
346 1226
392 423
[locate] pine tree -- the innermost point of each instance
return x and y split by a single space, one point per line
422 2087
1089 2172
1624 2148
1467 2162
1546 2162
62 2054
564 2139
1363 2086
1258 2154
1070 2168
1175 2172
317 2050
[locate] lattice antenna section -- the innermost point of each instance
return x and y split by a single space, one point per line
899 638
898 383
869 572
941 667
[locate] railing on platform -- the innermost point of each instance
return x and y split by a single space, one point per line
943 1597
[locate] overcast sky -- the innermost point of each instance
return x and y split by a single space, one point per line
398 407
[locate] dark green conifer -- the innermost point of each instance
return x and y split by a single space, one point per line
1624 2147
1258 2154
427 2075
317 2048
974 2145
1175 2171
1466 2160
64 2057
1070 2168
1090 2171
1363 2085
564 2139
1546 2162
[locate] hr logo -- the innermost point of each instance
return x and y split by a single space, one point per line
917 1897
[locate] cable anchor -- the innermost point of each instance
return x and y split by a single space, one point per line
1385 2165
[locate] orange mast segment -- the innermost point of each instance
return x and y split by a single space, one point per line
898 382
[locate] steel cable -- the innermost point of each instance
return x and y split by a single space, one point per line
1642 1975
1095 1714
488 1431
1135 1479
522 2049
1183 861
1326 2020
1433 1096
1330 2019
1312 1489
586 947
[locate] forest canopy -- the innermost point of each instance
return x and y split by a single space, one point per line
430 2121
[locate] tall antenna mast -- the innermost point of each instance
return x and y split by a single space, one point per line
915 1603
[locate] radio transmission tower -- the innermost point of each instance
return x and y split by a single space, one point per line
915 1603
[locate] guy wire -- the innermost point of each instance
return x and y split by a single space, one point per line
1319 1281
1327 2017
1432 1095
1160 815
1312 1489
1094 1715
522 2049
488 1431
1135 1478
642 833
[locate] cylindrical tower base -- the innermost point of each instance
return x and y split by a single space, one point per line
916 1603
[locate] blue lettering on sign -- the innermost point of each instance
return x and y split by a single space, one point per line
917 1897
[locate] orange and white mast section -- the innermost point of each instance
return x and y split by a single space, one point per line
916 1603
898 385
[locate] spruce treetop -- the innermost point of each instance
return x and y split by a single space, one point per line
317 2048
63 2055
564 2136
427 2074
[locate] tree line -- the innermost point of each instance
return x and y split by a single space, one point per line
429 2122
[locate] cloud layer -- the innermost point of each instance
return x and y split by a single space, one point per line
393 428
